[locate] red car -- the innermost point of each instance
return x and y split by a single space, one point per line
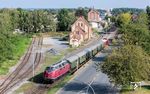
106 41
56 70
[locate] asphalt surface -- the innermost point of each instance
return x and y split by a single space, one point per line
90 81
55 43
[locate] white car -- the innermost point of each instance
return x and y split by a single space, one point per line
104 39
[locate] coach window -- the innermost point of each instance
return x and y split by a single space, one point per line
60 66
57 67
81 24
63 64
53 67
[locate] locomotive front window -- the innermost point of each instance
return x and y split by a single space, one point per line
60 66
63 64
49 69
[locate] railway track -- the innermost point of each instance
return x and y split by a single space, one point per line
15 77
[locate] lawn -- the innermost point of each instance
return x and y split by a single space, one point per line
24 87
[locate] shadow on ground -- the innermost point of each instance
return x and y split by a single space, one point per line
98 59
65 43
56 38
101 88
146 87
39 79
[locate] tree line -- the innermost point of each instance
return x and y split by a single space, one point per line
116 11
43 20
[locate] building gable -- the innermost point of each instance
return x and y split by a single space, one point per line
82 20
80 30
93 16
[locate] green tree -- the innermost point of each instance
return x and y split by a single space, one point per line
36 21
81 12
49 24
5 37
148 13
65 19
127 64
124 19
148 10
137 33
117 11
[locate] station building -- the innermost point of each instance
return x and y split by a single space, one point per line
80 31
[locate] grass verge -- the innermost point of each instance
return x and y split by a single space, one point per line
58 33
24 87
142 90
59 85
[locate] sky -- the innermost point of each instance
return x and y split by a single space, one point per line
101 4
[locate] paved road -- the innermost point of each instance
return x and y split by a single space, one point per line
90 81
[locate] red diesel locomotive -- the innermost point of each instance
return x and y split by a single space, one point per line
56 70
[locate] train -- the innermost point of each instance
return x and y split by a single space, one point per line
73 63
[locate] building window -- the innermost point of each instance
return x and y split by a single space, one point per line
92 16
81 24
95 16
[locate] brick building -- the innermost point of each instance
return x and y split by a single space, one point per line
94 18
80 31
